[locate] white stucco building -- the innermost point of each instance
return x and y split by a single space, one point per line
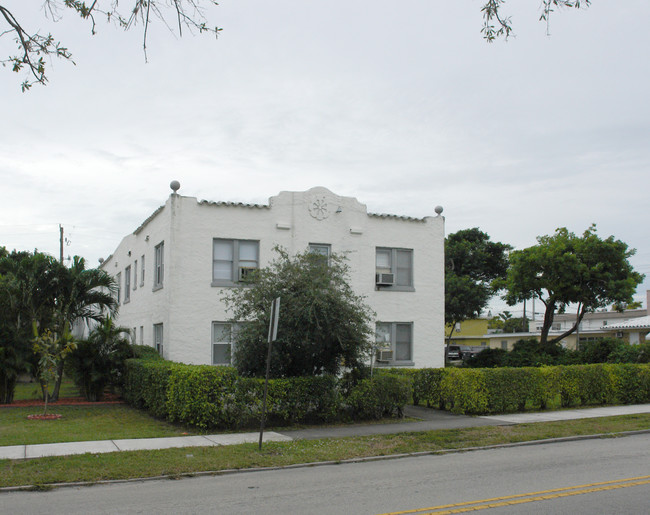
173 269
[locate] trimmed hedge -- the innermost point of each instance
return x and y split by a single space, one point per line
475 391
210 397
383 396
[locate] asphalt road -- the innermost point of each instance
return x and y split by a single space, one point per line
506 478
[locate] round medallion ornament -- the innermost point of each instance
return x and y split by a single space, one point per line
318 208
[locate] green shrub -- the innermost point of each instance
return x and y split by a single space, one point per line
147 383
487 358
196 393
508 389
381 396
464 391
145 352
631 383
426 386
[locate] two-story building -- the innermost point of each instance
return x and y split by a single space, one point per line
174 268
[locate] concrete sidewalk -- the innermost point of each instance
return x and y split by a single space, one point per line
429 419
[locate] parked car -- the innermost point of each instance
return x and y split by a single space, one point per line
454 353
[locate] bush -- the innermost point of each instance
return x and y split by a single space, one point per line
145 352
382 396
487 358
464 391
503 390
147 384
195 394
99 361
426 386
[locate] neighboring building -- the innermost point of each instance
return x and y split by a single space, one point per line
469 332
175 267
599 324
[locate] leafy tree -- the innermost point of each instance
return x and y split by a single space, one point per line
565 269
473 263
34 48
323 325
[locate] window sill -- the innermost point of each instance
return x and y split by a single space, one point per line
126 301
230 284
394 288
157 287
394 364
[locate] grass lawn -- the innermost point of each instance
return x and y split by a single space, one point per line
123 465
28 391
79 423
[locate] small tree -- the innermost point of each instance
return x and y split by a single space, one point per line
324 326
50 351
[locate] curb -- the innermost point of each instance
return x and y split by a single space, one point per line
323 463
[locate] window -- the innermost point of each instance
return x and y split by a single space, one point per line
135 275
141 335
134 337
159 266
118 280
394 269
233 260
556 327
127 284
394 342
504 344
158 338
322 249
142 272
223 335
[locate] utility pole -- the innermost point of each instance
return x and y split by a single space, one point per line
61 243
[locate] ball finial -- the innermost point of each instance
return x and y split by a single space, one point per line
174 185
438 210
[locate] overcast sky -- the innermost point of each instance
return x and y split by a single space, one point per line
402 105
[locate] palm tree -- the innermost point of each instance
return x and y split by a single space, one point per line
81 294
26 297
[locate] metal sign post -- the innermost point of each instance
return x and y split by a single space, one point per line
273 334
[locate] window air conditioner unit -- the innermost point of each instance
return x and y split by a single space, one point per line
246 274
385 279
384 356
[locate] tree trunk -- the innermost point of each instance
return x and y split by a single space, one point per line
57 384
548 321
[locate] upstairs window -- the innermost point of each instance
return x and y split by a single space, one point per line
394 269
135 275
142 270
159 266
233 261
127 284
118 280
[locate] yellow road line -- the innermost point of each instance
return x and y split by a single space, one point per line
531 496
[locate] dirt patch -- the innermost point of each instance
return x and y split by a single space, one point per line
109 398
49 416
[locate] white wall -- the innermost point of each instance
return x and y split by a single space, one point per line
187 304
